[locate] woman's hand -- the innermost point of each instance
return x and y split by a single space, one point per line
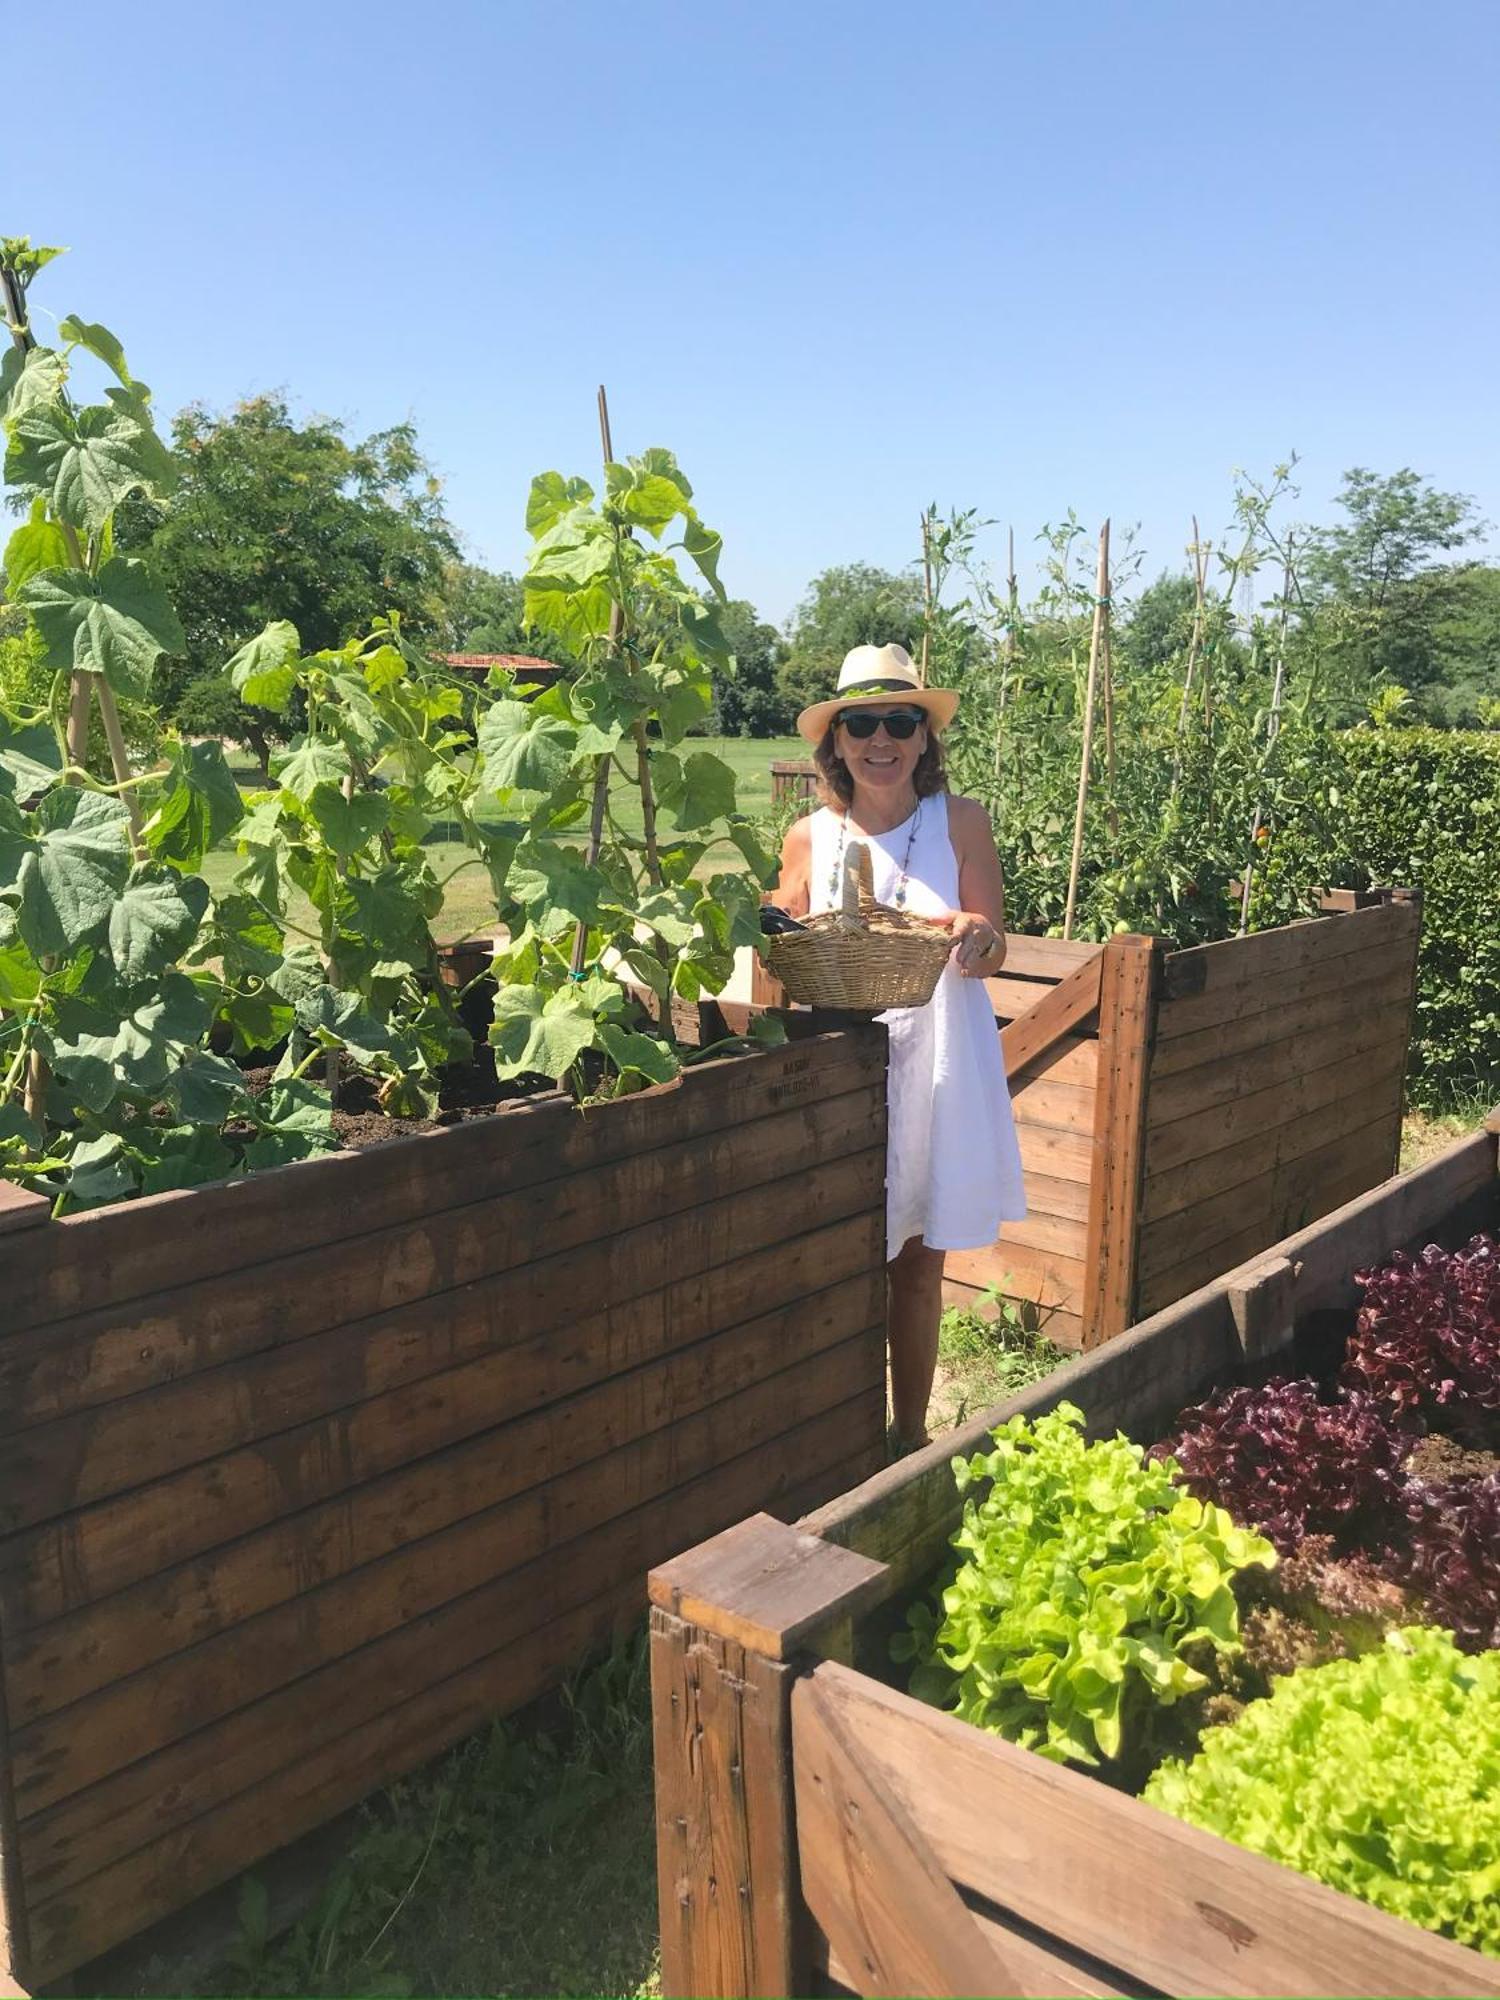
978 948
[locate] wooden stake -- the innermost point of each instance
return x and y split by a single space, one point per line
1107 676
926 595
1010 637
1273 726
119 758
1101 606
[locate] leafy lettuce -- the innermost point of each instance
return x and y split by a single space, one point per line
1379 1776
1092 1592
1427 1341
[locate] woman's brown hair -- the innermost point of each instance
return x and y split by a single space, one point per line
836 786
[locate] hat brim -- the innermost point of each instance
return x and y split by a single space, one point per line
941 705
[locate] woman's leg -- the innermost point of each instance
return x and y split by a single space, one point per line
916 1306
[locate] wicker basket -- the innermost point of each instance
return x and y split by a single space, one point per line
863 957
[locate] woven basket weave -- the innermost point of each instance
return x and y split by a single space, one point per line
864 956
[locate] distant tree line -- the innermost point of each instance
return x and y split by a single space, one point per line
279 517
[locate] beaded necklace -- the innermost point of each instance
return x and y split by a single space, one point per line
836 873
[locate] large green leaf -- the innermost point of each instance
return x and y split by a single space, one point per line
204 1087
705 546
264 672
200 805
523 751
311 761
575 553
100 1170
696 790
30 757
73 870
551 497
117 623
37 544
647 492
639 1055
135 1043
296 1120
154 920
535 1035
29 380
101 343
182 1156
556 885
85 462
347 824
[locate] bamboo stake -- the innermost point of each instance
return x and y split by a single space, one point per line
926 595
1101 605
1273 726
1009 651
1199 555
1107 676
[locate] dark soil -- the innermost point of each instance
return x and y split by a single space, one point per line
1438 1457
467 1092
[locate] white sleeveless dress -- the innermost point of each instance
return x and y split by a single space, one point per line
953 1168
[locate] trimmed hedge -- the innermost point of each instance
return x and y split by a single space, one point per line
1421 807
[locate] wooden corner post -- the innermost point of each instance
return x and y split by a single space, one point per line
1127 1018
728 1622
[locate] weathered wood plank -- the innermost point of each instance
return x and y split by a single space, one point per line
1060 1156
1177 1907
1064 1107
127 1719
1195 1092
69 1656
1041 1275
117 1542
1373 1096
1320 956
1045 957
58 1466
1366 1074
1064 1235
764 1585
721 1725
1060 1011
734 1455
873 1883
125 1347
1071 1059
21 1208
1127 1004
1266 956
118 1901
1275 1200
111 1254
1363 985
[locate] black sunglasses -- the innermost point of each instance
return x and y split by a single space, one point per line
900 723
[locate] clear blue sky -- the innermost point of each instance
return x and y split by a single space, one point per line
843 258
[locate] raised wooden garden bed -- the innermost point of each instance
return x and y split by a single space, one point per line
1180 1110
819 1830
306 1476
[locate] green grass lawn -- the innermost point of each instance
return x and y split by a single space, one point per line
468 905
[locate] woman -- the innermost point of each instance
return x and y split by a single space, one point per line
953 1171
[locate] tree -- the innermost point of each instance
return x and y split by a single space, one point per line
853 604
1159 625
752 703
272 520
483 611
1378 580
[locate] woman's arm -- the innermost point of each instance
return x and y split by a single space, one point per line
979 925
793 892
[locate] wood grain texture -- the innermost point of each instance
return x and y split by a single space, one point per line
1279 969
1174 1906
102 1548
195 1326
630 1508
108 1255
873 1883
1127 1007
1061 1010
1361 986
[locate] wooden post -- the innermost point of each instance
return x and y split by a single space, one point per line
601 768
729 1621
926 595
1101 605
1127 1016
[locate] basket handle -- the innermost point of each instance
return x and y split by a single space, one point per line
859 882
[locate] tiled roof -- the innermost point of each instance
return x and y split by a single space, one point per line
515 661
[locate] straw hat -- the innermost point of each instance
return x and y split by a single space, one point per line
877 676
